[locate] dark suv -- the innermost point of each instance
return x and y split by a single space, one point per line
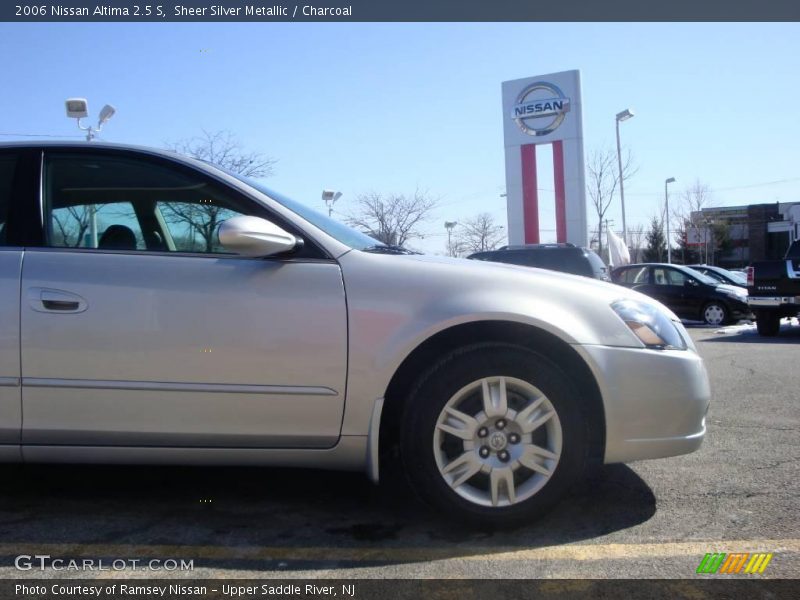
566 258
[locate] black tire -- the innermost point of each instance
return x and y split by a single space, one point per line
768 324
459 369
726 315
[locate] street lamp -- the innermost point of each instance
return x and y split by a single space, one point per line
666 204
449 225
330 197
78 108
622 116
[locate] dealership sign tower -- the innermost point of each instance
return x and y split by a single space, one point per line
540 111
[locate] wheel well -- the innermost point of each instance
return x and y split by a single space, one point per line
527 336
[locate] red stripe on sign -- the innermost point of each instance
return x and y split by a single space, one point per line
530 194
561 196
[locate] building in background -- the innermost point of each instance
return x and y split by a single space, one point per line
735 236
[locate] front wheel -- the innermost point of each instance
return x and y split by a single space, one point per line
715 314
493 434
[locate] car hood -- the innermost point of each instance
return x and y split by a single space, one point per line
726 288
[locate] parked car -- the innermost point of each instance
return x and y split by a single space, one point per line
689 293
157 309
566 258
774 287
726 276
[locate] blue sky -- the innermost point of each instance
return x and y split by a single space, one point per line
394 107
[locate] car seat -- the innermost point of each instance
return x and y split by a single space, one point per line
117 237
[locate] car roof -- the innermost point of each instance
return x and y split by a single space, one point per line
78 143
162 152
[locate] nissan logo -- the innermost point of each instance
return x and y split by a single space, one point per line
540 108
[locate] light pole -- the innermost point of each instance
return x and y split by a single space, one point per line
666 204
622 116
78 108
449 225
330 197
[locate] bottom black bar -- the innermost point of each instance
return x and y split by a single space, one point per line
395 589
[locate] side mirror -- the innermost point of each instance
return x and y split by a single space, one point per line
254 236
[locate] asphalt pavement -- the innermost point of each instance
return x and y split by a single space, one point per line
653 519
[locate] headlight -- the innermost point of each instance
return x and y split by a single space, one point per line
654 328
737 295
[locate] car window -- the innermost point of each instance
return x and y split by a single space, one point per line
667 276
8 166
84 225
700 277
120 203
339 231
598 266
634 275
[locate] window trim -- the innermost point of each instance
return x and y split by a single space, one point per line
254 206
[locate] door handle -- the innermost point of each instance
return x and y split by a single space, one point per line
60 304
50 300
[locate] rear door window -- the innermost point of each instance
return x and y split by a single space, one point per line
634 276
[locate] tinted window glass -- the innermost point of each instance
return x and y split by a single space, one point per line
634 275
599 268
123 203
666 276
8 166
85 225
339 231
565 261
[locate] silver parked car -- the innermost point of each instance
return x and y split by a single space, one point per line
155 309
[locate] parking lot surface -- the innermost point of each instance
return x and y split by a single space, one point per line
654 519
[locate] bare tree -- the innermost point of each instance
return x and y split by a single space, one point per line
223 149
73 225
636 235
603 181
202 219
481 233
687 214
393 219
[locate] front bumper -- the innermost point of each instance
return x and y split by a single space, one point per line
655 401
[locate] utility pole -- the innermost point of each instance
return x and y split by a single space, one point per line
666 205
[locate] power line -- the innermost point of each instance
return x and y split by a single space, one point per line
727 189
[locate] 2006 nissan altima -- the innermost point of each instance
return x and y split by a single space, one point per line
155 309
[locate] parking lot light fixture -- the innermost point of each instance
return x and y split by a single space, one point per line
330 197
622 116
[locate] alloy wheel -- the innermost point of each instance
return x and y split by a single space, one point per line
497 441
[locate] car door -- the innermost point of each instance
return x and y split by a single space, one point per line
10 268
139 329
669 288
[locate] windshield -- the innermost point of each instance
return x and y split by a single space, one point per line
339 231
704 278
737 277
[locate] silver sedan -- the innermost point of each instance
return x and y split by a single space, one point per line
156 309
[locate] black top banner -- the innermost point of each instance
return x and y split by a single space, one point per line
401 10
